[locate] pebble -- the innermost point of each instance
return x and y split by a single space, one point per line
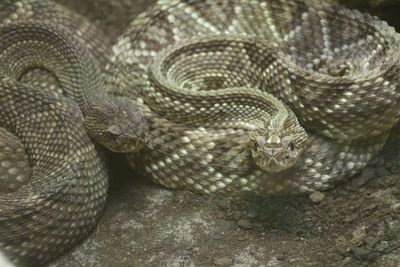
223 261
350 218
317 196
341 245
371 241
346 262
382 246
361 253
371 206
242 238
245 224
359 234
280 257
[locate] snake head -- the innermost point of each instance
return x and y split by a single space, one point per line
278 149
117 124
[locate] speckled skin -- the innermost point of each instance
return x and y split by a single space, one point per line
114 122
338 72
15 169
53 180
64 196
13 11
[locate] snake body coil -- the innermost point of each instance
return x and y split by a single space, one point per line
203 72
53 180
267 96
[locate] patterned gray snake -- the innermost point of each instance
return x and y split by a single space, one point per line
214 96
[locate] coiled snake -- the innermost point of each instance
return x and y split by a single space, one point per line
53 180
266 96
210 75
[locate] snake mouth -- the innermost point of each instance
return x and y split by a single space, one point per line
125 145
273 163
274 166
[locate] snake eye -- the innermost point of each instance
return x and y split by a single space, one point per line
291 146
255 146
114 130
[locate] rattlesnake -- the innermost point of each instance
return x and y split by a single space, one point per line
53 179
202 72
197 141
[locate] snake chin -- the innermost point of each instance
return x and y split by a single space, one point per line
117 125
276 154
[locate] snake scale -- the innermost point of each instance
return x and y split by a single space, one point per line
207 95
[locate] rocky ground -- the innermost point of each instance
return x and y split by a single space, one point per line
355 224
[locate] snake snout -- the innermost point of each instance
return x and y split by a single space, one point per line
129 137
128 128
273 152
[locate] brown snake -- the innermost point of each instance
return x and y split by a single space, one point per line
53 180
266 96
205 74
